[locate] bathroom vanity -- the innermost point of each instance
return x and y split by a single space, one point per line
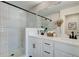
43 46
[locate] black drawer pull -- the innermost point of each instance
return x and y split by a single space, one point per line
47 52
47 43
33 45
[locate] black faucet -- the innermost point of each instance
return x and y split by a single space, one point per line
45 29
72 36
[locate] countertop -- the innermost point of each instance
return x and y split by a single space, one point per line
58 39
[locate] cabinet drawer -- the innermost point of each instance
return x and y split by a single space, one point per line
48 48
47 53
46 42
74 50
59 53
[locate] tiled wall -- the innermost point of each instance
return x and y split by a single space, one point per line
54 17
51 25
12 25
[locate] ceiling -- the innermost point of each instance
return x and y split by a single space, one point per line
45 8
25 4
56 8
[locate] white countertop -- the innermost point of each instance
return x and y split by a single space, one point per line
59 39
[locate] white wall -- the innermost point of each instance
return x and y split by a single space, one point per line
74 18
12 25
65 12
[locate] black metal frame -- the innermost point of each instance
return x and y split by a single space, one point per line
26 10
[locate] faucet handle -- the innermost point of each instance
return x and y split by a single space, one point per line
75 36
69 36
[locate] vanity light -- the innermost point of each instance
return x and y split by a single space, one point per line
59 23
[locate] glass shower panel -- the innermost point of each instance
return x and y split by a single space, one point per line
31 20
12 25
44 23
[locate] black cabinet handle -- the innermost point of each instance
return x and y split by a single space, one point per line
47 43
47 52
33 45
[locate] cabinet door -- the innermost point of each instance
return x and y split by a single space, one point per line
37 48
30 49
58 53
71 49
34 47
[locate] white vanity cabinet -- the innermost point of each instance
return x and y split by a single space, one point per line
49 47
66 50
34 47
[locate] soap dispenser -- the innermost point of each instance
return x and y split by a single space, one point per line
72 35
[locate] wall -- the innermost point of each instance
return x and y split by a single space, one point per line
12 25
73 18
68 11
63 13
